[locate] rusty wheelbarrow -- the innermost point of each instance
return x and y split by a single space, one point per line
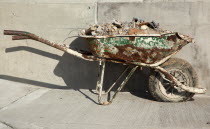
172 79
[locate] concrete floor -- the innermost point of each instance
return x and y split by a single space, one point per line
24 106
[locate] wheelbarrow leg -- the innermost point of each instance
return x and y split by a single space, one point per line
110 88
119 88
99 85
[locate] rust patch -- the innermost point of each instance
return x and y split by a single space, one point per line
132 38
172 38
20 37
133 31
147 56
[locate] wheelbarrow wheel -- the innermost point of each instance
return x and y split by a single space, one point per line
163 90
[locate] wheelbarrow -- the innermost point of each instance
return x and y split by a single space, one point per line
171 80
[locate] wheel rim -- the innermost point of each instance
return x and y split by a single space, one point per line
170 90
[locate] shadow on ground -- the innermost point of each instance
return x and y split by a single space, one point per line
81 74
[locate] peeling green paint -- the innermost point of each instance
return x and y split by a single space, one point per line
141 42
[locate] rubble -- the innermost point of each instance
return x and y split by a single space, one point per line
136 26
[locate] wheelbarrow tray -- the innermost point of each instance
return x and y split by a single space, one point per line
148 49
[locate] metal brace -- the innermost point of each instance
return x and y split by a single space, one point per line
99 86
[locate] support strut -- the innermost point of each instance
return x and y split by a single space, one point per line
119 88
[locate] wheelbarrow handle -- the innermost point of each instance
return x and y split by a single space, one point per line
19 35
15 32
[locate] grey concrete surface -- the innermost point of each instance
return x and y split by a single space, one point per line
46 108
43 88
9 94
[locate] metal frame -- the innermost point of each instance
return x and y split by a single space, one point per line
168 76
99 85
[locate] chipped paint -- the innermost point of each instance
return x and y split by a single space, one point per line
142 49
141 42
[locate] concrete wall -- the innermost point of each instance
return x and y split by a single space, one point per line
33 63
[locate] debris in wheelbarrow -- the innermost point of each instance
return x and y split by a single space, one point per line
122 28
136 44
